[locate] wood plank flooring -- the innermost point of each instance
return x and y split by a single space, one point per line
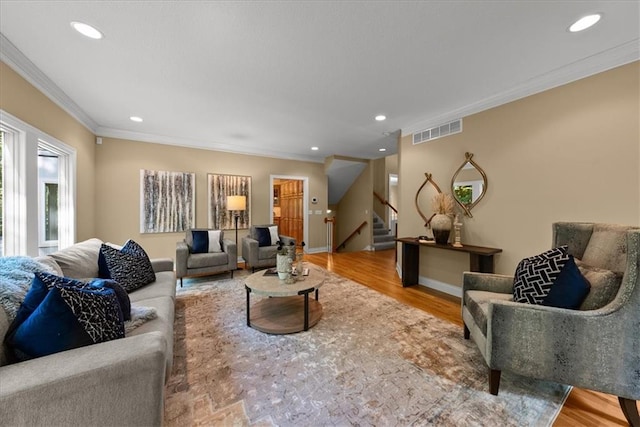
377 270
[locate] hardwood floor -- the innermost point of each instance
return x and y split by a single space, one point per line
377 270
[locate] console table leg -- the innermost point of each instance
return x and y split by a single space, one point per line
481 263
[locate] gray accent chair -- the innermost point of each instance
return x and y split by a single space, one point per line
190 264
261 257
596 348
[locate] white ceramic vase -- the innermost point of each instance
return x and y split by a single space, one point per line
441 226
283 266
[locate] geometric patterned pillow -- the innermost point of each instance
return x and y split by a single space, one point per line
70 314
535 275
131 271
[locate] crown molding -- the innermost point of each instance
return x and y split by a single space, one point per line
202 145
11 55
600 62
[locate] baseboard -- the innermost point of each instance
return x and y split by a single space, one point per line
316 250
435 284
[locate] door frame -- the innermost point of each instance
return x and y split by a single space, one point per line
305 203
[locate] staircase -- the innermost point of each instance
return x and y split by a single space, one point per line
383 238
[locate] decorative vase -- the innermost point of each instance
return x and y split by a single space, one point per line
441 226
283 266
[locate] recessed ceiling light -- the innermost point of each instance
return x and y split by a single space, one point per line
585 22
135 119
381 117
87 30
315 148
382 149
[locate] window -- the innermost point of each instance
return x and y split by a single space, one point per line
35 211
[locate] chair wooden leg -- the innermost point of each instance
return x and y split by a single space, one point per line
630 411
181 282
494 381
467 333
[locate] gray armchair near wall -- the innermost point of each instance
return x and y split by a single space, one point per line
257 253
207 259
596 347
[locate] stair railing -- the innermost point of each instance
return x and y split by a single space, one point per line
394 216
351 236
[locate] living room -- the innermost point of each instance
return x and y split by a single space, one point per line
567 152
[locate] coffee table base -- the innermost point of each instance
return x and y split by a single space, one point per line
283 315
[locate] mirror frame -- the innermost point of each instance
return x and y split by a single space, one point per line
467 208
428 178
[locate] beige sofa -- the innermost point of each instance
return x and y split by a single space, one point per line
115 383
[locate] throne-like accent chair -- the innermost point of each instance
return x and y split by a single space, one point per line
595 347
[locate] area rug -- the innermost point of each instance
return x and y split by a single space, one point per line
369 361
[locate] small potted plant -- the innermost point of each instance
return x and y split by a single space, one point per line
284 259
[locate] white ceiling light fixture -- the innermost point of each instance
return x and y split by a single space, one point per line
382 149
381 118
135 119
87 30
585 22
314 148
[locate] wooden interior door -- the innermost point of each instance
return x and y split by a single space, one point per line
291 208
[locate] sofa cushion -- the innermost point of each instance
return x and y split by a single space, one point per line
569 289
535 275
165 285
207 260
478 304
607 248
205 241
80 260
267 252
130 270
604 286
71 314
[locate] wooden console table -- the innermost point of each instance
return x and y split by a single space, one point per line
480 258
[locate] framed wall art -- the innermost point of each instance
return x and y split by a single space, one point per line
167 201
220 188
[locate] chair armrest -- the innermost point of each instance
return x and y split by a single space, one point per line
250 250
182 254
229 247
162 264
582 348
500 283
119 382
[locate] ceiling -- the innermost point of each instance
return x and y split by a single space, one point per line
278 77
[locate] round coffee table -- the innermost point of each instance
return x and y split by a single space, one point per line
288 308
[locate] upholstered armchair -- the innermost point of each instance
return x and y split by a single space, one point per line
257 250
596 347
204 252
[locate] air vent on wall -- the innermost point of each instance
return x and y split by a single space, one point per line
438 132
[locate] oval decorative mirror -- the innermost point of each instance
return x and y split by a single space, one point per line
469 184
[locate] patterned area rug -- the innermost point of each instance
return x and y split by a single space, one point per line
369 361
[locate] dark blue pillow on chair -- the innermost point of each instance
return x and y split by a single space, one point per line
200 241
569 289
264 237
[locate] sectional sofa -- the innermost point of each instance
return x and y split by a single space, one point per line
115 383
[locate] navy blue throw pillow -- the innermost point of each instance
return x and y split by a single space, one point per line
569 289
70 314
130 266
200 240
264 237
121 294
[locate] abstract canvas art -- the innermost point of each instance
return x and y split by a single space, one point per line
167 201
221 186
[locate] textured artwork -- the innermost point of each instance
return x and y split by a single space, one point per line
221 186
167 201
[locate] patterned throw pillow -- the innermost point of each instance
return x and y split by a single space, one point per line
70 314
130 266
535 275
121 294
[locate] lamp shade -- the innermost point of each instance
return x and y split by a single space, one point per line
236 203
